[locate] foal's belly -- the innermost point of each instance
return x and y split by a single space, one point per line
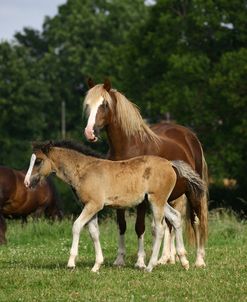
124 201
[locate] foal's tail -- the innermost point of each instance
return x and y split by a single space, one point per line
195 193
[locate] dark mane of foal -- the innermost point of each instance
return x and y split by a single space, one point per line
67 144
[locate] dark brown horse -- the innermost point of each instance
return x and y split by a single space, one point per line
16 201
129 136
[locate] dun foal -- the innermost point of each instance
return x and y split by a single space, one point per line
118 184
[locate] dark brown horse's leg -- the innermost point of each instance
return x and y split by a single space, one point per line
3 229
140 230
121 242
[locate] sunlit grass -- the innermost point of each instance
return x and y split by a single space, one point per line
33 266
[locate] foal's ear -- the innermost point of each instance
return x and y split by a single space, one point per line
90 83
107 85
47 147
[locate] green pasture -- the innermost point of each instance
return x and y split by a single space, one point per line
33 266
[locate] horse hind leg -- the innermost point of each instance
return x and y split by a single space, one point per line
158 213
166 251
168 254
121 240
3 228
198 230
174 218
140 230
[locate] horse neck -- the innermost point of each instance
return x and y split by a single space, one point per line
120 145
65 162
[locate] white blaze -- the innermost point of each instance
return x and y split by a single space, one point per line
29 172
89 132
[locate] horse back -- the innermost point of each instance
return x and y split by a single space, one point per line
178 142
7 184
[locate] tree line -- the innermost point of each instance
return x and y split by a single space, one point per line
182 59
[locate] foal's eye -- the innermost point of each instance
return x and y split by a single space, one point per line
38 162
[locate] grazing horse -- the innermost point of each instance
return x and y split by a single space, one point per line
100 182
129 136
18 202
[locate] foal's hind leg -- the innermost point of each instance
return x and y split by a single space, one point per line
158 212
121 242
166 252
169 250
175 219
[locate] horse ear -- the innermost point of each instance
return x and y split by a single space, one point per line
90 83
107 85
47 147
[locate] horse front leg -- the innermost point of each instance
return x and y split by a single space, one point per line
121 240
140 230
94 233
87 213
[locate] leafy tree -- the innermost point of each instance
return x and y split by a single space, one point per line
191 61
23 101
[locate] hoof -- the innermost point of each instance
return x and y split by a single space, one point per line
186 266
119 263
148 269
163 261
140 265
95 270
200 264
71 267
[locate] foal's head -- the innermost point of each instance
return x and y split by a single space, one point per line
40 165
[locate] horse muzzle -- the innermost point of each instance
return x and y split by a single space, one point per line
32 182
89 133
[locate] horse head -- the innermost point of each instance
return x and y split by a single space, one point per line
98 106
40 165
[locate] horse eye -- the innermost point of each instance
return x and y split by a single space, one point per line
38 162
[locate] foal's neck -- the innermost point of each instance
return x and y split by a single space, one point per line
68 163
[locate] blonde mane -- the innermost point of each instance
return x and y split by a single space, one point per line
129 118
126 113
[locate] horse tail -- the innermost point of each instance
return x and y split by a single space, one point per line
204 203
195 192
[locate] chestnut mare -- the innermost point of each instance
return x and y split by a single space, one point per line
129 136
18 202
100 182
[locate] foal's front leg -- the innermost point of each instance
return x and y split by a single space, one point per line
94 233
87 213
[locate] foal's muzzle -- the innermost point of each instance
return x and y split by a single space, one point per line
33 182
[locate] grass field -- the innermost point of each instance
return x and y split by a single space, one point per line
33 266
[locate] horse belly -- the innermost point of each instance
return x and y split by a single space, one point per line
124 200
